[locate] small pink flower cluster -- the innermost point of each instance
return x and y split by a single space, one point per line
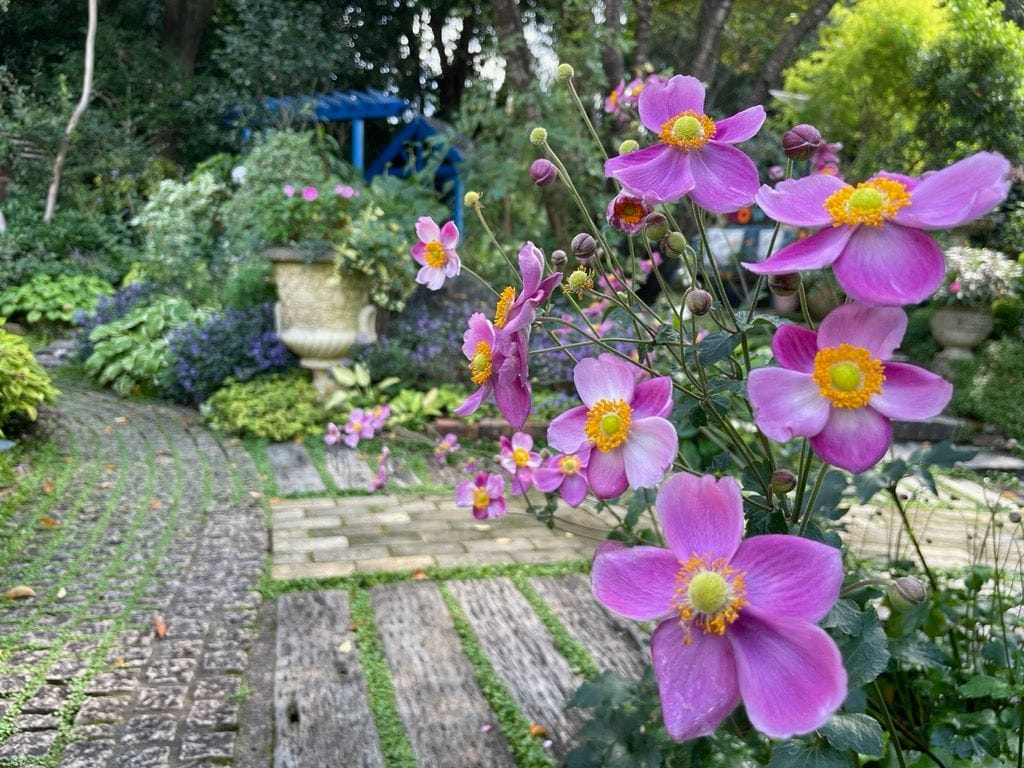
312 193
361 425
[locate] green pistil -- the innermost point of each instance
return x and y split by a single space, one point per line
687 127
845 377
866 199
610 424
708 592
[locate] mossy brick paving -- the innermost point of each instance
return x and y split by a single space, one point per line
155 519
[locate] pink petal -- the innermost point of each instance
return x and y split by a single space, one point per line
815 252
726 179
531 268
431 277
514 399
697 681
660 173
795 347
453 266
790 575
606 473
960 193
471 403
565 433
637 582
427 230
700 516
574 490
547 479
741 126
418 253
449 236
786 403
649 451
480 329
790 673
853 439
604 377
800 202
652 398
890 265
660 102
464 493
879 330
911 393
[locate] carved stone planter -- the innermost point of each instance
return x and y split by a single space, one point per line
959 330
320 313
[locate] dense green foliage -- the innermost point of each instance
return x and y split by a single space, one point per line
992 387
53 300
276 408
24 385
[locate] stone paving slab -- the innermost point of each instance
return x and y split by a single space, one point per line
293 469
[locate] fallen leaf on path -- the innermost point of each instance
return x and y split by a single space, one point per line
256 494
119 661
159 627
121 420
419 575
106 484
155 504
107 430
275 500
345 647
538 730
62 593
19 593
48 486
49 522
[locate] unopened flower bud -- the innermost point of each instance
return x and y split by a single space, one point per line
471 198
558 258
564 71
583 245
907 592
784 285
1014 517
675 243
538 135
629 145
783 481
655 225
699 302
800 141
543 172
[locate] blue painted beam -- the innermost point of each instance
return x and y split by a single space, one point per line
358 143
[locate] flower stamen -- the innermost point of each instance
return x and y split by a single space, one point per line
847 375
481 498
504 304
709 594
688 130
435 255
870 202
569 465
521 457
480 363
608 423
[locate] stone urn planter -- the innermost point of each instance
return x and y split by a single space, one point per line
320 313
959 330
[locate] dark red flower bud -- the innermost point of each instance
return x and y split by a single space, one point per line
800 141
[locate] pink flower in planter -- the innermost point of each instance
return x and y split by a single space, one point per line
837 387
520 460
566 474
737 617
309 193
289 190
344 190
626 212
515 311
498 364
874 235
485 494
379 415
448 444
358 427
436 252
621 422
333 436
694 155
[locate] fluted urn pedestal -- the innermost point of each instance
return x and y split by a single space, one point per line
959 330
320 312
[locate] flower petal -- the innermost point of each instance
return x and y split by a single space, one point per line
790 673
879 330
697 681
790 575
606 473
449 235
726 179
795 347
514 399
911 393
701 516
565 433
660 173
660 102
652 397
471 403
649 451
636 582
531 268
853 439
427 230
741 126
464 493
547 478
604 377
814 252
418 253
890 265
480 329
574 490
960 193
786 403
800 202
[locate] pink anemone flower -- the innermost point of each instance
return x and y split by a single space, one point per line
379 415
520 460
838 388
872 234
621 422
448 444
693 156
485 494
380 479
738 616
310 193
627 212
566 474
333 435
498 364
289 190
612 102
358 427
435 252
515 311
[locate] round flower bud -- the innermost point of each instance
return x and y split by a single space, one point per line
784 285
564 71
543 172
675 243
906 592
629 145
1014 517
471 198
800 141
783 481
538 135
583 245
655 225
699 302
558 258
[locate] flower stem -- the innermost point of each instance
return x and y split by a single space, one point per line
479 209
814 497
891 727
586 117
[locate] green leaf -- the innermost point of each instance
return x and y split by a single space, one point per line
945 454
865 655
715 347
666 335
802 754
860 733
980 686
34 316
867 484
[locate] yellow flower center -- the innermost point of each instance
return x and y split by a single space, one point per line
688 130
480 363
709 594
613 97
521 457
569 465
629 212
504 304
847 375
480 497
435 255
870 202
608 423
580 280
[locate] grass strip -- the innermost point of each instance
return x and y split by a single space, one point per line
258 453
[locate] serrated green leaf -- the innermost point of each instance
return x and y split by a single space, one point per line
856 732
865 655
716 347
985 685
945 454
803 754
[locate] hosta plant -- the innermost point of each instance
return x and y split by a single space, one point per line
24 385
53 299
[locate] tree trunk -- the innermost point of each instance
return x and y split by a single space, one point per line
713 15
76 115
184 24
782 52
644 26
451 83
611 50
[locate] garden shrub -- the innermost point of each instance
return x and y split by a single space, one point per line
918 343
236 344
53 299
24 385
996 390
108 309
279 407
